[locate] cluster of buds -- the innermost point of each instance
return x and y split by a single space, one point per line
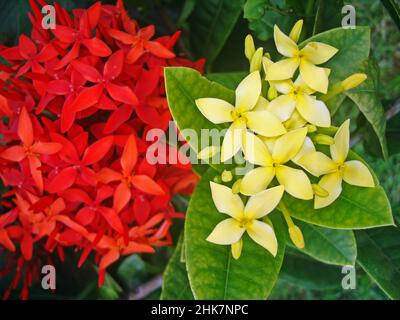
278 123
77 101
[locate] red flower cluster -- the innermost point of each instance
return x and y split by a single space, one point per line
77 102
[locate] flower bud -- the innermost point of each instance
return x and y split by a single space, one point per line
353 81
272 93
226 176
296 31
217 179
207 152
236 186
236 249
323 139
255 63
296 236
249 48
311 128
319 191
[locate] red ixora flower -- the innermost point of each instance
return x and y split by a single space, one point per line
78 101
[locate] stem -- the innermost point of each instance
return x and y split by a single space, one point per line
286 214
146 288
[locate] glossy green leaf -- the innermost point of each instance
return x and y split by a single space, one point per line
184 86
175 281
356 207
213 273
328 15
330 246
379 256
303 271
211 22
366 98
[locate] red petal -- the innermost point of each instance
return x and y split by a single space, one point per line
124 37
64 34
88 72
34 164
117 118
85 216
112 219
146 185
59 87
159 50
122 93
113 66
134 247
129 155
4 106
141 209
76 195
95 152
122 196
46 147
26 46
107 175
63 180
47 53
14 153
6 241
134 54
97 47
68 149
27 246
147 32
70 56
93 14
109 258
72 225
25 130
87 98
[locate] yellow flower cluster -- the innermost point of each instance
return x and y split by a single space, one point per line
275 122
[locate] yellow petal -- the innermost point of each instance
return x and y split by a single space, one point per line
317 163
317 52
340 148
299 82
283 86
215 110
296 31
263 202
332 183
261 105
308 146
227 231
315 77
248 91
255 151
225 201
282 70
264 235
313 110
285 46
208 152
295 181
296 121
232 140
282 106
264 123
256 180
357 174
287 146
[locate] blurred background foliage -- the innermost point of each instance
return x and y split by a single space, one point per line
215 29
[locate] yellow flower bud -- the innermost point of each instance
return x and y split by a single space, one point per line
311 128
353 81
255 63
249 48
272 93
296 236
226 176
236 249
296 31
323 139
236 186
319 191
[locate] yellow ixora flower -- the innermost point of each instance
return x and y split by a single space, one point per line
306 59
336 169
243 115
271 163
298 96
243 218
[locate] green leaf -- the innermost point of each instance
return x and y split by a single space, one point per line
353 45
228 79
184 86
330 246
305 272
211 22
176 283
213 273
328 15
394 10
356 207
366 98
379 256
